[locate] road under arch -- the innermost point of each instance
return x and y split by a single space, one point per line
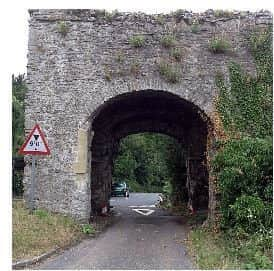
148 111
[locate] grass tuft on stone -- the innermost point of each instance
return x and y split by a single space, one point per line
63 28
170 72
137 41
177 54
219 45
168 41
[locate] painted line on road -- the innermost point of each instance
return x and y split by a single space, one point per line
142 206
144 211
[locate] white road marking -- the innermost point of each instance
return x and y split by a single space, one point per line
142 206
144 211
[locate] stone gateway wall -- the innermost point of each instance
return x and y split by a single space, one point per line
85 71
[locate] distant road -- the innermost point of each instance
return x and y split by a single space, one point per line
144 237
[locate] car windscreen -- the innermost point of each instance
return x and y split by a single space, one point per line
118 185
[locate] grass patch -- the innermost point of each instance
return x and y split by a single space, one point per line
137 41
88 229
37 233
168 41
135 68
195 28
170 72
177 54
219 13
226 251
219 45
63 28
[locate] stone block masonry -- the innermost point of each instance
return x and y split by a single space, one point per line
80 62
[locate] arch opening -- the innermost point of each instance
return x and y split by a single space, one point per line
153 163
154 112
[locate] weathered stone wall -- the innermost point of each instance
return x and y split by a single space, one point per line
79 59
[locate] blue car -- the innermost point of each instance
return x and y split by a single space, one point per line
119 189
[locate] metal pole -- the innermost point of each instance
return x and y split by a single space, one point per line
32 203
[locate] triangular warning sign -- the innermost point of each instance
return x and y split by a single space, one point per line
35 143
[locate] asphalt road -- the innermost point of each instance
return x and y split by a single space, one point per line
143 237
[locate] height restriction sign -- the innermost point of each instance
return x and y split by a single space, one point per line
35 143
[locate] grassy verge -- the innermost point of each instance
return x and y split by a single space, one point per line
226 251
37 233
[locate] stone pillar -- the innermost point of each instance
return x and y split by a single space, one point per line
197 175
81 192
197 183
101 173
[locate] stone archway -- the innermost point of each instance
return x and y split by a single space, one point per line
148 111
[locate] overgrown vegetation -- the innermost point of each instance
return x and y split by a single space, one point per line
18 125
244 162
37 233
18 120
229 250
244 171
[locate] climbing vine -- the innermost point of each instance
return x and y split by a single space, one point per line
245 106
243 164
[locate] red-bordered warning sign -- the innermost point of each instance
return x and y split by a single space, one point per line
35 143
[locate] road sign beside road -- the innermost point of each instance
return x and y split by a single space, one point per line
36 143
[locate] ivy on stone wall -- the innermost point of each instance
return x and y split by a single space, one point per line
245 104
243 165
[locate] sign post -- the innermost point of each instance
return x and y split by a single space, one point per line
35 144
32 188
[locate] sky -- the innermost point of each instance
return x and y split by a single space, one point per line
13 52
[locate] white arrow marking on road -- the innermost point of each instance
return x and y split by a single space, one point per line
142 206
144 211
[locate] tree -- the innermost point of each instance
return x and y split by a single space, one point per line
18 95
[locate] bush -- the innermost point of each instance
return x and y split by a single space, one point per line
244 168
248 213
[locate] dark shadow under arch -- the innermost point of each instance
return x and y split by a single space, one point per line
148 111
